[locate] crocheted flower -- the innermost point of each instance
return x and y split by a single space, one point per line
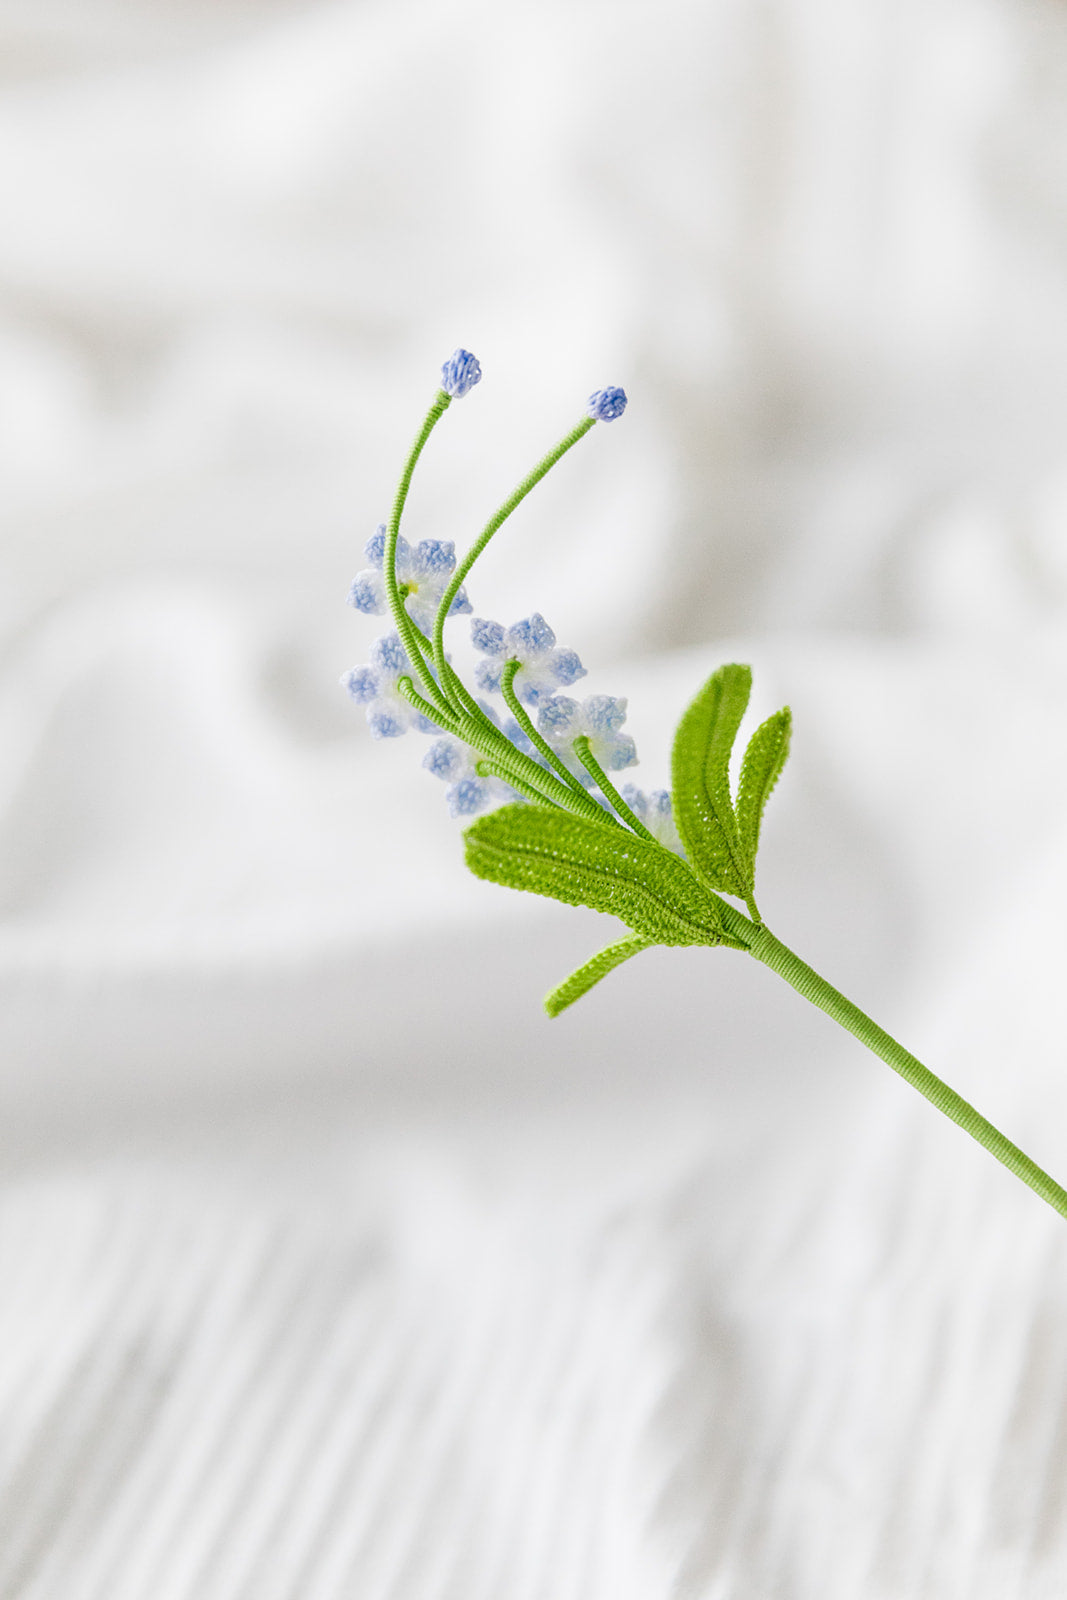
460 373
375 687
544 666
453 762
423 574
607 404
562 720
654 810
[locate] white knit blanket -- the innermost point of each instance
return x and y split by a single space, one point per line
330 1269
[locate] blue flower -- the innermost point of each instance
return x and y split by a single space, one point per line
562 720
423 574
460 373
607 404
375 687
654 810
468 793
544 666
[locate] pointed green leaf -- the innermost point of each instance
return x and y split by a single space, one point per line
583 863
763 763
580 982
700 773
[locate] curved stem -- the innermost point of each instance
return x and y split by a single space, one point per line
409 634
607 788
766 948
523 773
414 698
498 518
519 712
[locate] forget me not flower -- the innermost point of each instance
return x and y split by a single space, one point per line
423 574
562 720
468 793
544 666
375 686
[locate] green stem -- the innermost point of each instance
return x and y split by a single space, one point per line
518 711
489 767
514 765
766 948
498 518
607 788
407 630
414 698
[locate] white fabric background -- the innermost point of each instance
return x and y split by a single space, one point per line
330 1267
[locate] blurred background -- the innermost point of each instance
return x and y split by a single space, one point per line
334 1267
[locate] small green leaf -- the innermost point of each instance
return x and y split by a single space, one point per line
582 863
580 982
700 773
762 766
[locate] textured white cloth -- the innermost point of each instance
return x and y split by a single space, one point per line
329 1267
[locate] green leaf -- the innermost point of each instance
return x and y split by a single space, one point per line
700 774
580 982
762 766
583 863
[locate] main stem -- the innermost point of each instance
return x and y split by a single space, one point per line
766 948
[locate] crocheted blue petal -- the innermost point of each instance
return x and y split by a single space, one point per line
603 714
445 759
468 796
622 752
460 606
374 549
362 684
530 637
367 593
487 676
487 636
389 655
557 716
566 667
383 724
436 557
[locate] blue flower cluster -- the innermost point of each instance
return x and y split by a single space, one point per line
423 575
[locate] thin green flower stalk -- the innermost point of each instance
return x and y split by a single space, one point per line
667 865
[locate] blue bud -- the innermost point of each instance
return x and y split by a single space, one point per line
607 404
460 373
